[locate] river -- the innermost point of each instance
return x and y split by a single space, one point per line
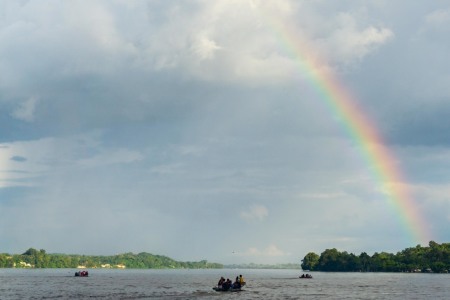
197 284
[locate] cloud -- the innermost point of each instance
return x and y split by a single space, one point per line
117 156
19 158
255 212
25 111
138 60
270 251
22 161
348 44
204 47
439 19
201 115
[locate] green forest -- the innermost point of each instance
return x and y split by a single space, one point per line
33 258
432 259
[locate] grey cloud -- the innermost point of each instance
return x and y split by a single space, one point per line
19 158
422 125
165 116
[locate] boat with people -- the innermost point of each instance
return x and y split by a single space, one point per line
231 289
82 274
229 286
307 276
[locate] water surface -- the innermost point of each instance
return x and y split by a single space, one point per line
197 284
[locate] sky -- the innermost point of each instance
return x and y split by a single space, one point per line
200 129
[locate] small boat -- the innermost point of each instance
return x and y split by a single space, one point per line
231 289
82 274
228 286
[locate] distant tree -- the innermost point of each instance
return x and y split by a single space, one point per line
384 262
310 261
329 260
353 263
364 260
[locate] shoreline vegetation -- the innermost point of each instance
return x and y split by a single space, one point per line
33 258
432 259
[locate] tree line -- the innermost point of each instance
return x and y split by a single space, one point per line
33 258
434 258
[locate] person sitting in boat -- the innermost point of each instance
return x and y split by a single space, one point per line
303 276
221 281
226 285
236 284
241 280
82 273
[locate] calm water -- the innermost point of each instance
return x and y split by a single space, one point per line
194 284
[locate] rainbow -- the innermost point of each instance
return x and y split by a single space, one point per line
360 127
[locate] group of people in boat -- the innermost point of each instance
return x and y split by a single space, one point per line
227 284
82 273
306 276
